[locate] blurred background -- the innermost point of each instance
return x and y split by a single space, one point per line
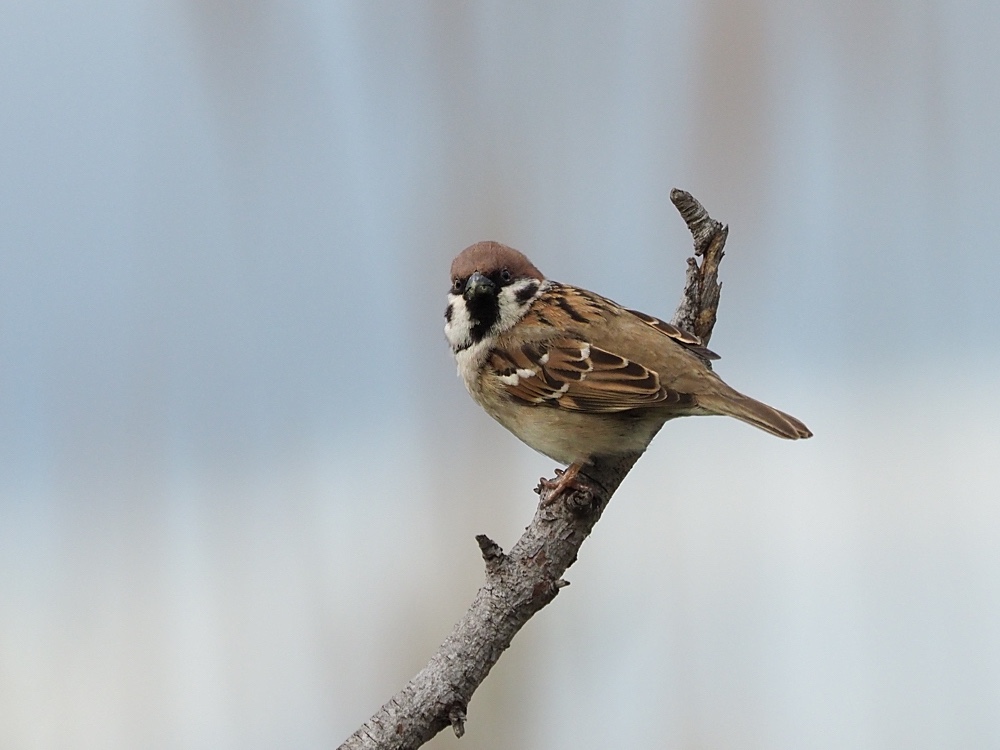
240 480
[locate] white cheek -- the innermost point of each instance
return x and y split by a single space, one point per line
458 329
511 310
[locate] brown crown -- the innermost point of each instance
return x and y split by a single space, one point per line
488 257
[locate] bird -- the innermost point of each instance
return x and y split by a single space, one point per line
575 375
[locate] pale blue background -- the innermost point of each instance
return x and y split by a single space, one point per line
239 480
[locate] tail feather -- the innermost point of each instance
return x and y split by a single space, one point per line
734 404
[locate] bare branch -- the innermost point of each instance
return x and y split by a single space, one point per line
520 583
697 310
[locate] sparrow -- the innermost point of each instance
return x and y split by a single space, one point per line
575 375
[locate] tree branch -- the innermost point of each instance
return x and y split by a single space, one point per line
698 307
520 583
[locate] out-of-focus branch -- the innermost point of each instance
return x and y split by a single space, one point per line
521 582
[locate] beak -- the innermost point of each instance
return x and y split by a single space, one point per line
478 285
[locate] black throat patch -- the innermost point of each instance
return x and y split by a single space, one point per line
484 312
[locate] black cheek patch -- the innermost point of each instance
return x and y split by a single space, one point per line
526 293
447 313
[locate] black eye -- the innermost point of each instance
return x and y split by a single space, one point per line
456 285
505 276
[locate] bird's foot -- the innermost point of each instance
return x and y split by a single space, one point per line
551 490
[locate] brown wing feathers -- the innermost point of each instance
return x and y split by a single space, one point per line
688 340
572 374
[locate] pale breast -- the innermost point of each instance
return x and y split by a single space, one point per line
569 437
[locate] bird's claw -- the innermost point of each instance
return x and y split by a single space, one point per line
566 480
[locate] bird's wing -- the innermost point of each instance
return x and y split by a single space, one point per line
688 340
570 373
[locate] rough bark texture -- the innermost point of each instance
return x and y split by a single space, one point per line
698 307
521 582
